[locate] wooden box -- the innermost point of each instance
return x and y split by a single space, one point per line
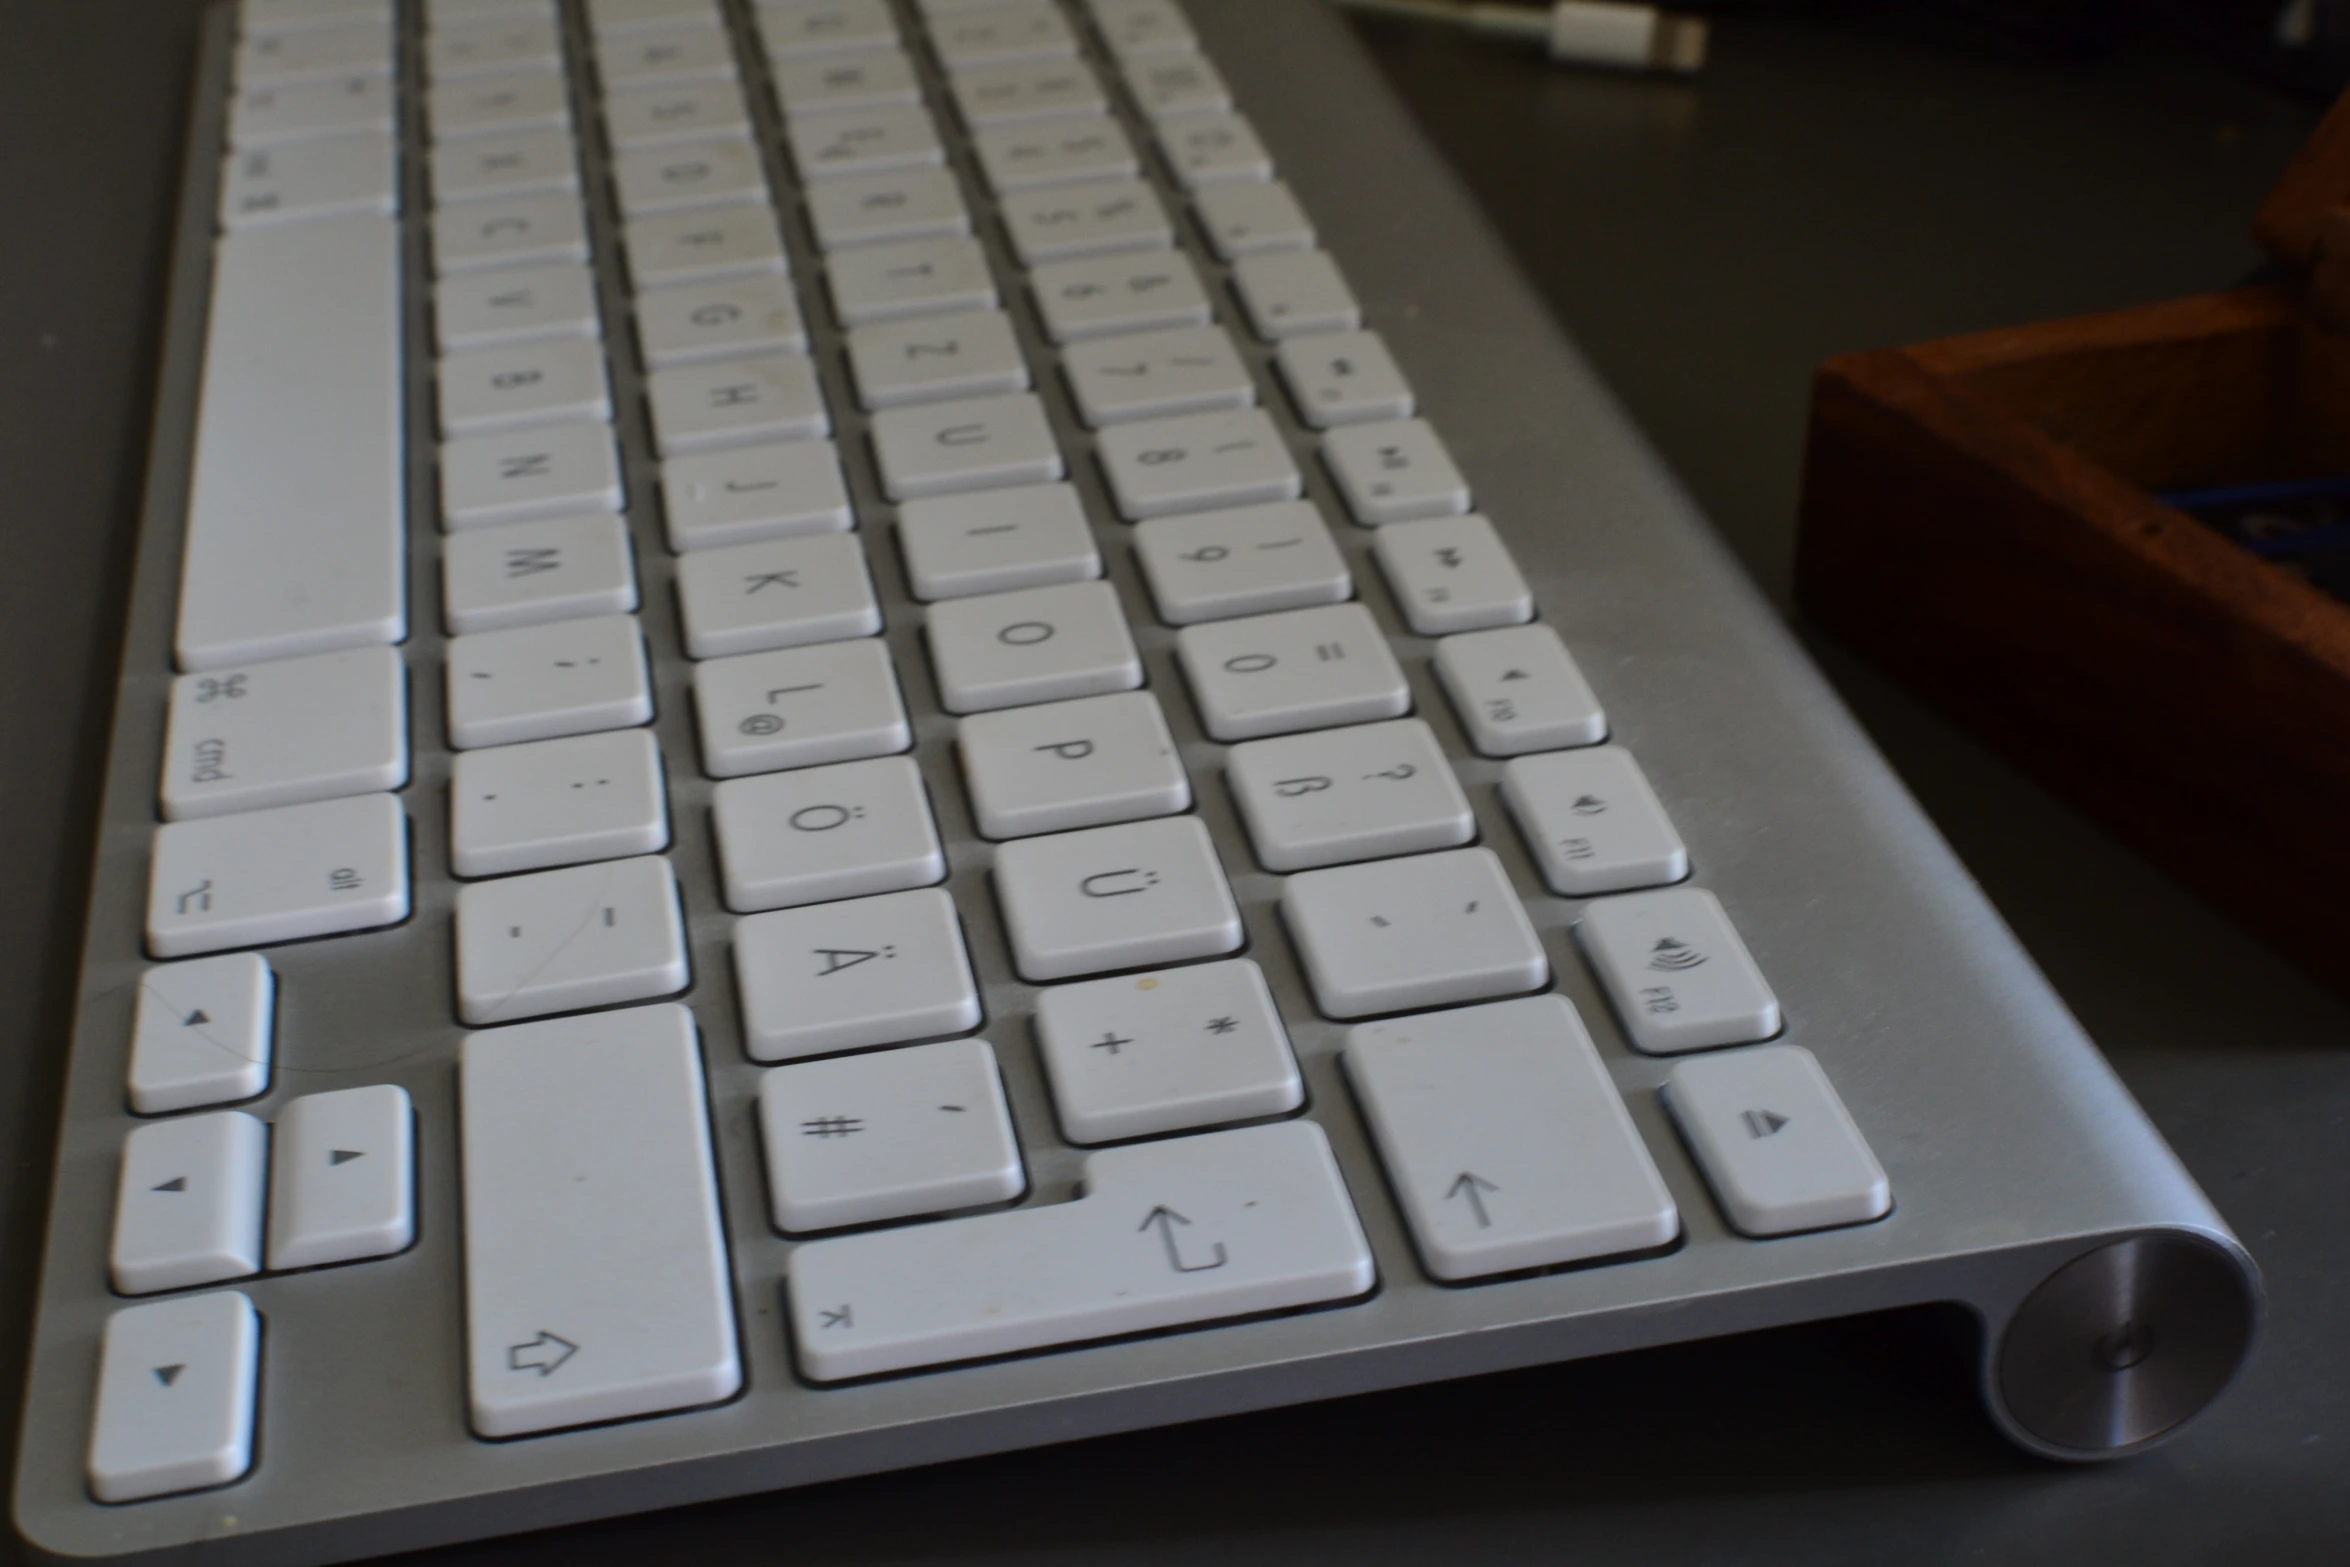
1980 518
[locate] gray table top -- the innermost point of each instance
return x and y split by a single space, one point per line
1817 189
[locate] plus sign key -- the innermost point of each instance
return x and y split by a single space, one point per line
888 1135
1166 1052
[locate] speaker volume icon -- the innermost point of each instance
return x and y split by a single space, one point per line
1673 956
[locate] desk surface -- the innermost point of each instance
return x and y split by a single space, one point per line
1816 190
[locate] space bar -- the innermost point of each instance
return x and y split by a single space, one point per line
295 502
1168 1234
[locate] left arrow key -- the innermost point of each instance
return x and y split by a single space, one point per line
188 1210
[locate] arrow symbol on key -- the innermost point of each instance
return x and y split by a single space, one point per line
167 1375
1474 1187
542 1354
1166 1219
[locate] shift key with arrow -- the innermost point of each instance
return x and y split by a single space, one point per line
1506 1140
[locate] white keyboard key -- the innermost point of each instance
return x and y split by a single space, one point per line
1025 156
1115 898
1062 222
1108 295
619 18
513 163
550 471
1244 560
706 321
1168 85
753 492
991 95
515 305
1251 218
596 1281
440 15
287 16
302 180
917 278
834 702
537 682
497 105
175 1397
887 208
1516 691
1395 470
203 1033
1401 935
1205 148
1593 822
653 180
1453 574
338 106
974 443
704 246
841 976
342 1183
891 1134
996 541
1167 1052
1197 462
559 381
1036 645
1343 378
1505 1139
678 54
794 30
1289 293
188 1208
933 358
493 47
736 402
283 874
1678 974
1299 669
1135 28
862 141
508 231
296 507
747 598
313 54
1347 794
1209 149
546 803
558 941
1065 765
529 573
822 833
1777 1146
999 34
670 113
284 732
859 79
1187 369
1167 1234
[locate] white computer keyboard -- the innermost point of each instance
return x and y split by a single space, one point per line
838 717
